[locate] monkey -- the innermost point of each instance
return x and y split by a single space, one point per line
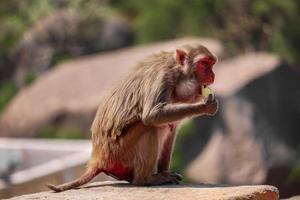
134 129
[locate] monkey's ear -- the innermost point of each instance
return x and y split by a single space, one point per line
180 56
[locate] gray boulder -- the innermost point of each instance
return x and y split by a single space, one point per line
254 139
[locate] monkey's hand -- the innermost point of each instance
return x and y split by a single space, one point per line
211 106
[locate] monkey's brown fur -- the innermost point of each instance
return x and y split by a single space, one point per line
135 126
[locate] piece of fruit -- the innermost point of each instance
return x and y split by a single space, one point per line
206 91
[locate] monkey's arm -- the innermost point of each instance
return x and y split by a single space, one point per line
167 113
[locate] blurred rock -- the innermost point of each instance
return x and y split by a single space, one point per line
256 132
294 198
234 74
112 190
65 34
69 94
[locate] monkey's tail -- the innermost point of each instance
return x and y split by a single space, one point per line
85 178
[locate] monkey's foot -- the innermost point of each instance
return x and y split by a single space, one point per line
172 174
159 179
166 178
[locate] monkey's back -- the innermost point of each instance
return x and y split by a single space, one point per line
123 105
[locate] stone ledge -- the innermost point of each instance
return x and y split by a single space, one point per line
119 190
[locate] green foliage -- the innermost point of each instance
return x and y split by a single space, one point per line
91 8
66 133
241 25
157 20
18 16
186 130
294 176
7 92
59 57
284 18
30 77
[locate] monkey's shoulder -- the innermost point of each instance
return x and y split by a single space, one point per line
160 60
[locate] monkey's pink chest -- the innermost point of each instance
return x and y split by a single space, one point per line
120 172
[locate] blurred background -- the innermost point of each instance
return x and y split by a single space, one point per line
58 57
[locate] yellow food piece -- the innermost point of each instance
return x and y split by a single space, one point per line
206 91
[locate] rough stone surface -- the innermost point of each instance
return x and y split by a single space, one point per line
113 190
71 92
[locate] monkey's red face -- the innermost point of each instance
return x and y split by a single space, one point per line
204 70
203 65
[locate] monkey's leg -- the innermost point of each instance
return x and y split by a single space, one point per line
168 113
166 154
146 159
85 178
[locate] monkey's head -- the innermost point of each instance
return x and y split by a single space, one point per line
197 60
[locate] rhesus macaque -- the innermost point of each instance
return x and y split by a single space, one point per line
134 130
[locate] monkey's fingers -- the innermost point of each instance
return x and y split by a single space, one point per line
172 177
210 98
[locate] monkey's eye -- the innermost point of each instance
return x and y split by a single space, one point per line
205 63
